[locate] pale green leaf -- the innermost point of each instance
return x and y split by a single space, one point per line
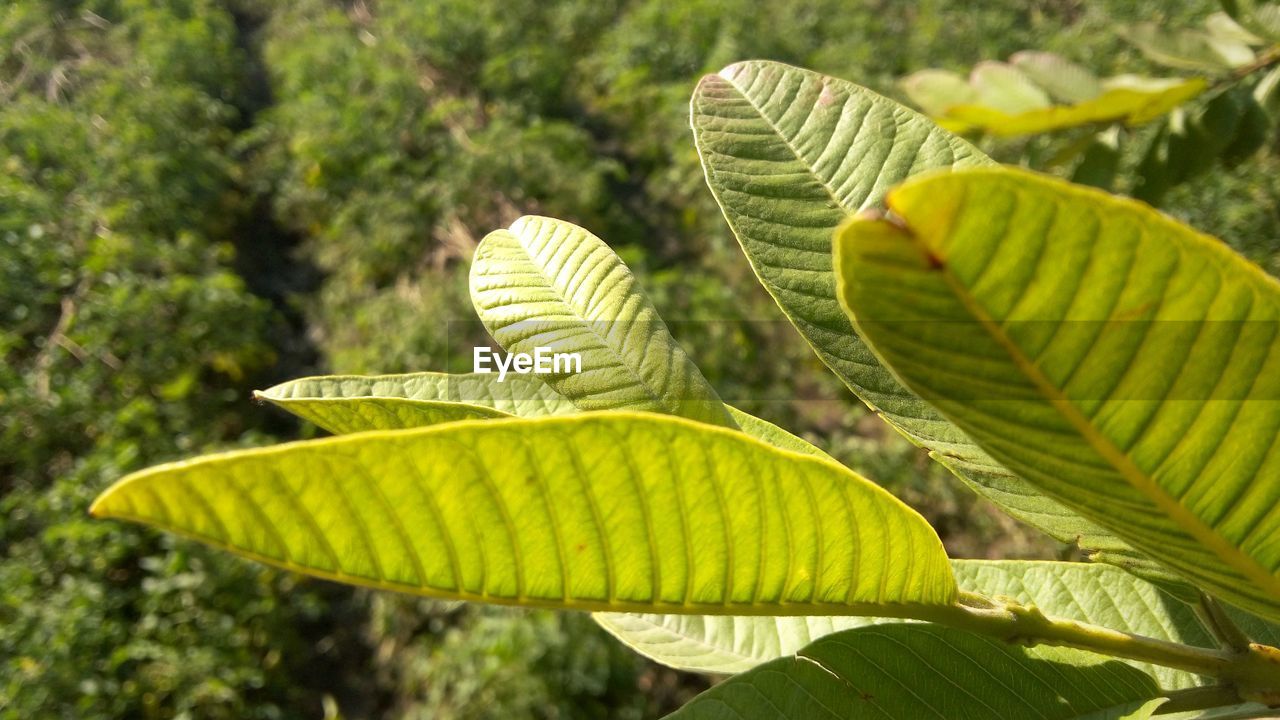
936 91
1220 25
1064 80
789 155
1188 49
1123 363
603 511
1087 592
354 403
549 283
1005 88
922 672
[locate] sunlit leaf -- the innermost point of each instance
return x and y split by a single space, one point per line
604 511
349 403
354 403
1006 89
1188 49
1064 80
1127 100
936 91
1122 362
548 283
789 155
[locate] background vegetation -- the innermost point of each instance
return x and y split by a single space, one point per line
201 197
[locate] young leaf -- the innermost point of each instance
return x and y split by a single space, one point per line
1087 592
1066 81
1006 89
922 671
1188 49
605 511
345 404
1128 100
1120 361
936 91
548 283
789 155
355 403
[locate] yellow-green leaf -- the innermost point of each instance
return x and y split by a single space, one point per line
549 283
353 403
1132 101
1124 363
789 155
604 511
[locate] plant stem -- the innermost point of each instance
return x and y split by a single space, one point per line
1216 619
1251 673
1266 59
1028 625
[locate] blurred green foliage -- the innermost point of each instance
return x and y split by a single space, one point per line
199 197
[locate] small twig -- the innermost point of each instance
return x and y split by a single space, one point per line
1269 57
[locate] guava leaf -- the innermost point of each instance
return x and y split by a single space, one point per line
789 155
1122 362
1087 592
345 404
1126 100
549 283
603 511
1064 80
922 671
355 403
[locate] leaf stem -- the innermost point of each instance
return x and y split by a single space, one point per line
1026 624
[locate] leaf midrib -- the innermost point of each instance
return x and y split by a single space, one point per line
1135 476
813 171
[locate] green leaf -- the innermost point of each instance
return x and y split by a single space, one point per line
1087 592
1188 49
1267 92
355 403
1220 25
1128 100
1122 362
1007 89
345 404
548 283
1064 80
789 155
1101 159
922 671
605 511
936 91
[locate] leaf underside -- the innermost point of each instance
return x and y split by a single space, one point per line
791 154
927 671
548 283
1087 592
345 404
1124 363
604 511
